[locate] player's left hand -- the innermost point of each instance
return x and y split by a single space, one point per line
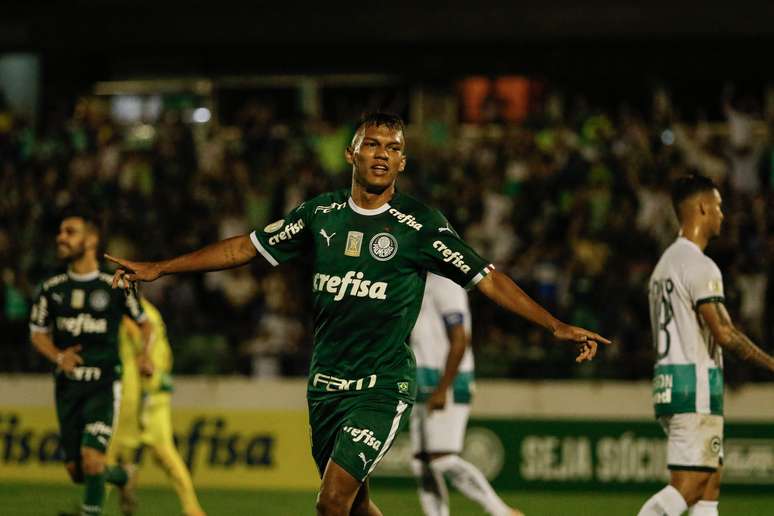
587 340
437 400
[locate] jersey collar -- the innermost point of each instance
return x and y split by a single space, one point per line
689 242
368 213
88 276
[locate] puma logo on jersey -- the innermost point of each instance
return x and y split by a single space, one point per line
453 257
289 232
352 283
327 237
447 227
84 323
363 435
57 298
363 458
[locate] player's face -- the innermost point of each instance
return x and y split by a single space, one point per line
376 156
715 212
72 239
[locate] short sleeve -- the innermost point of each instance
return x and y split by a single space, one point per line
443 252
40 316
704 283
284 239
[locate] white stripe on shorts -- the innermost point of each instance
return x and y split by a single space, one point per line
117 391
393 430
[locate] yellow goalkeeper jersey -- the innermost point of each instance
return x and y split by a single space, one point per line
130 345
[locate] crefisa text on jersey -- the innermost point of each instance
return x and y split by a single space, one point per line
287 233
405 218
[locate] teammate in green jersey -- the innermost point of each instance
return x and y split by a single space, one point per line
74 323
372 248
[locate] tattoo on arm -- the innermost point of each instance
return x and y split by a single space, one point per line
740 344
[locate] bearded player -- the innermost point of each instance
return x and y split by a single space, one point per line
372 248
74 323
690 328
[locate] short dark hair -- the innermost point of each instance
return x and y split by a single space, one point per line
377 118
688 186
89 217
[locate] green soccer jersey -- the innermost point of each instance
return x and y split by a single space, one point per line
369 269
84 309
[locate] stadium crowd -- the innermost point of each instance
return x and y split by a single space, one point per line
573 202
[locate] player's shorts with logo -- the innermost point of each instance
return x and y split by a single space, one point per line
85 411
694 441
355 430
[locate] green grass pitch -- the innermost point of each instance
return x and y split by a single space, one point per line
48 499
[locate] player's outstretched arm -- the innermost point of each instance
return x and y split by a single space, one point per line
502 290
225 254
723 330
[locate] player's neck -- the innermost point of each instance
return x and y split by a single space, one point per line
694 233
370 201
84 265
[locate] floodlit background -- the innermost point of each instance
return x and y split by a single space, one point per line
547 132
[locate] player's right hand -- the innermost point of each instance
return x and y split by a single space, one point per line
587 340
70 359
129 271
437 400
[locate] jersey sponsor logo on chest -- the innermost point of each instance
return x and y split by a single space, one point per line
352 283
84 323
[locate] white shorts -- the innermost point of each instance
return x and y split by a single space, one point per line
695 441
441 431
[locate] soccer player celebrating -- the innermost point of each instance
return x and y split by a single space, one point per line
372 247
444 387
690 326
74 323
146 413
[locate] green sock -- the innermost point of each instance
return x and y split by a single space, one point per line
94 495
116 475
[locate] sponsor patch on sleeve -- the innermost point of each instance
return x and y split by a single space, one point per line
274 226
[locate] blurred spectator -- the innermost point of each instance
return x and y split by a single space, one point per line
571 200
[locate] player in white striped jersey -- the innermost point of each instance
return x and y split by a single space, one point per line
444 386
690 326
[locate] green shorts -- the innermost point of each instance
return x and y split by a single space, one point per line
85 412
355 430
